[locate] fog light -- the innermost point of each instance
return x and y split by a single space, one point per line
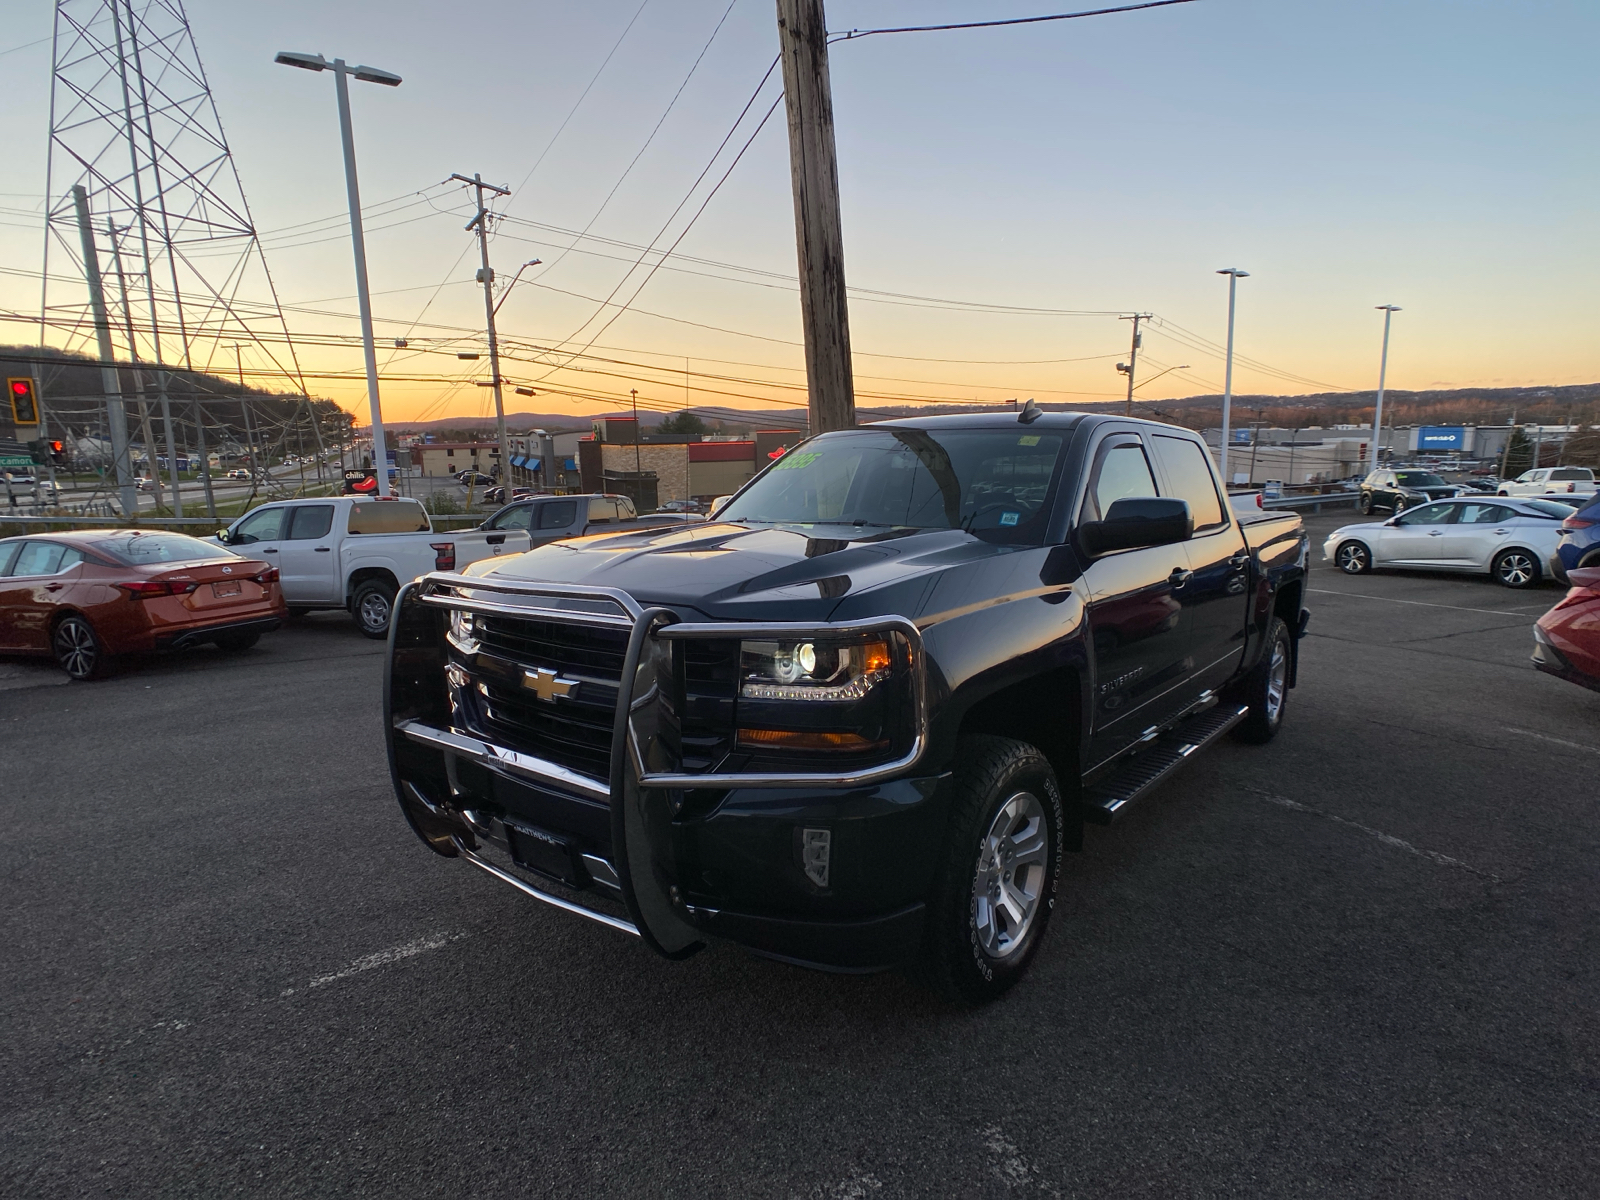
816 846
462 626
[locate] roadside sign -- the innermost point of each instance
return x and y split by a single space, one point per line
15 460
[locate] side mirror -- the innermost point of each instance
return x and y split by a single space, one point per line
1139 521
222 536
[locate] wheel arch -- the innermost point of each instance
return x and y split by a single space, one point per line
361 575
1045 710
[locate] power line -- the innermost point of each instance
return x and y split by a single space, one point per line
853 34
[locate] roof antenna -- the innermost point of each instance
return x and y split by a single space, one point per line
1030 413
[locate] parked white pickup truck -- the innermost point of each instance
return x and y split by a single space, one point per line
1545 481
354 552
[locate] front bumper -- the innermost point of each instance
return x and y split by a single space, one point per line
676 859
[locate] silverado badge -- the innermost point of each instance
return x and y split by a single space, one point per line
547 685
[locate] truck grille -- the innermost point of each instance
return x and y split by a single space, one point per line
573 730
708 683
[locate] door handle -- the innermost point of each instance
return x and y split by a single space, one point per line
1179 577
1435 533
324 549
1240 561
269 550
495 539
1502 532
54 587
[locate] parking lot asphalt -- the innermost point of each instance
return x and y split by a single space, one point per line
1359 960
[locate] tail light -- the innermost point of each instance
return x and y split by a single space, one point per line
444 556
1576 522
270 575
146 589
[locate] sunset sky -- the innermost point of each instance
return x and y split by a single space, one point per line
1436 154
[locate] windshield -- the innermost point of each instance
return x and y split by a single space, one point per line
137 549
1420 479
993 483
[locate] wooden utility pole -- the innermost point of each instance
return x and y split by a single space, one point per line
819 237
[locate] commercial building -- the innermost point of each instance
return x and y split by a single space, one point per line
448 458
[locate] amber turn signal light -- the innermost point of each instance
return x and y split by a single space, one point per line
792 739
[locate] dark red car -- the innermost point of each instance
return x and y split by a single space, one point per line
1567 638
92 594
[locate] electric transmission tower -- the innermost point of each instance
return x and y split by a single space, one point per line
141 179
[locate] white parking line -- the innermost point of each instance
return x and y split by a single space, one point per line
1388 839
1545 737
1493 612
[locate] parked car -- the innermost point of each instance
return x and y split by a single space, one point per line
856 720
681 506
1397 491
556 518
1511 539
90 595
1543 481
354 552
1579 544
1566 640
497 494
473 479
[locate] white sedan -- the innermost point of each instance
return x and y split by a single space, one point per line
1511 539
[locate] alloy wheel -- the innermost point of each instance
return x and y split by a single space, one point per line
1351 558
1277 680
1516 569
76 650
1011 875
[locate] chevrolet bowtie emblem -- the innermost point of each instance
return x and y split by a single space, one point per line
547 685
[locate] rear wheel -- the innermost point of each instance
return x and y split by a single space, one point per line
1399 505
373 605
1266 689
1515 569
1353 558
1365 504
78 650
997 884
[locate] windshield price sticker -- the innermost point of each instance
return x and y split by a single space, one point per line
791 462
1009 518
1028 439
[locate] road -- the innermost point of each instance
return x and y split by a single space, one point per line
1361 960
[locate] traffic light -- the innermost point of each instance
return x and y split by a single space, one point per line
24 404
58 451
39 452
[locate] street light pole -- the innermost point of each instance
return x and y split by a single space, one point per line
486 277
315 62
1388 311
1234 275
1129 367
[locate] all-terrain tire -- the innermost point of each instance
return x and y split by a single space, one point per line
997 881
1266 688
373 606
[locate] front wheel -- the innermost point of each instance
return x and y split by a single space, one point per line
1266 689
1365 504
78 651
1353 558
1399 505
373 604
1515 569
997 884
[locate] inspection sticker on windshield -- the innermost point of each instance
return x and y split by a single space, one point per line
1009 518
791 461
1028 439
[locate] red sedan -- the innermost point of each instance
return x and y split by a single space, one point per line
92 594
1567 638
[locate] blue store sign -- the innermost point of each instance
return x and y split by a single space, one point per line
1441 437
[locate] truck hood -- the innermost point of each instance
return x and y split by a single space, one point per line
738 572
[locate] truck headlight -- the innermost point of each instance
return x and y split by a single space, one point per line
463 627
811 670
849 695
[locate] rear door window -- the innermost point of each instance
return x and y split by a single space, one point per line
558 514
40 558
1188 475
311 521
388 516
1484 514
8 555
1123 472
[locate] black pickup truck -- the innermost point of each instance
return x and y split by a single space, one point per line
855 719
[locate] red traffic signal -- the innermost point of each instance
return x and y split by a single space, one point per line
24 404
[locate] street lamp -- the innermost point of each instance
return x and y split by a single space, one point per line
1159 374
1234 275
506 295
315 62
1388 311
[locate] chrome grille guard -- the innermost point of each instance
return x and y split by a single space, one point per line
651 631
